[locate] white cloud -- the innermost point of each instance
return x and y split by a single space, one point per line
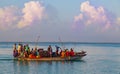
13 17
33 11
79 17
91 15
118 21
8 17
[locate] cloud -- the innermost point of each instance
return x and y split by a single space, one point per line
13 17
32 12
8 17
91 16
118 21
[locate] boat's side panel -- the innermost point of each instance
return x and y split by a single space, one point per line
47 59
51 59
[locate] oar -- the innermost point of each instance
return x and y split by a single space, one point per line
37 41
61 43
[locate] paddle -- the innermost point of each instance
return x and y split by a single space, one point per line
61 43
37 41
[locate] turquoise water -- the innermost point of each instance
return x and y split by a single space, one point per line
102 58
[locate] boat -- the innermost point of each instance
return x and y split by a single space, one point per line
78 56
46 55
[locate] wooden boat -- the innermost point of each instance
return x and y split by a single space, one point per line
78 56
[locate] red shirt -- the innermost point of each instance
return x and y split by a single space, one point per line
67 53
71 53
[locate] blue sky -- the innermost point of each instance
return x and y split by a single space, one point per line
77 21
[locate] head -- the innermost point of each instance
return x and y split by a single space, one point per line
71 49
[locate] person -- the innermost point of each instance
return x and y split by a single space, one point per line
31 51
62 54
66 53
26 54
27 47
38 55
71 52
15 53
35 51
57 50
14 50
19 49
24 48
14 46
50 50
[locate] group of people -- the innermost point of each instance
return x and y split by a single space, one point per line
21 50
24 51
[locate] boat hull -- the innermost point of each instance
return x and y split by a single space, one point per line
51 58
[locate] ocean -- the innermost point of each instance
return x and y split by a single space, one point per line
102 58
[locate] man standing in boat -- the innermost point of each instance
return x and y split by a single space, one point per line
57 50
50 50
15 52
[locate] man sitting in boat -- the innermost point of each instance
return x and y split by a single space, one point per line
62 54
67 53
71 52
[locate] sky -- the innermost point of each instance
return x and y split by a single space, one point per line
63 20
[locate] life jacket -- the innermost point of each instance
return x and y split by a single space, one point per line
63 54
31 56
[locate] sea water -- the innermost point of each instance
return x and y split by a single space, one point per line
102 58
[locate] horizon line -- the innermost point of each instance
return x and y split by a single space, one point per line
56 42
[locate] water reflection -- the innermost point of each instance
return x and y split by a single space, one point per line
45 67
21 67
